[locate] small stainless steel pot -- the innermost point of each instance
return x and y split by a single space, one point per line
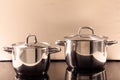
86 51
29 58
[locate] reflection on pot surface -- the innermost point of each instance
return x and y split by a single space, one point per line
37 77
30 58
86 50
72 74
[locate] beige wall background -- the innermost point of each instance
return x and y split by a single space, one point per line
51 20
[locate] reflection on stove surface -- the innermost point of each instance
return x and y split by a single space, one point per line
35 77
74 74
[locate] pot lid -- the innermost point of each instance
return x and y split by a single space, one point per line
83 36
31 44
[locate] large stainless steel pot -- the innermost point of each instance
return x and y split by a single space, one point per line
31 57
85 50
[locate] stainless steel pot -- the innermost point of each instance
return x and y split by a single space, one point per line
86 51
29 58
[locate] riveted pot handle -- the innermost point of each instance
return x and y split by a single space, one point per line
27 39
7 49
111 42
54 50
60 43
85 27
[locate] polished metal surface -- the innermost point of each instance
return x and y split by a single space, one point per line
32 69
86 51
31 57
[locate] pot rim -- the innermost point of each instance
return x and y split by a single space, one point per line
32 45
86 37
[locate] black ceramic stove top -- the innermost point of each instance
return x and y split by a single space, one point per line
70 74
37 77
60 71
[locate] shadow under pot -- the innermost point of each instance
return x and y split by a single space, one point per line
85 50
33 77
31 57
73 74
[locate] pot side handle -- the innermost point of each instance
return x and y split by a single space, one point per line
7 49
54 50
111 42
60 43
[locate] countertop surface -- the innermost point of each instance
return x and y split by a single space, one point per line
59 71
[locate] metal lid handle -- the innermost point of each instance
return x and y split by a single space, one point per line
27 39
86 27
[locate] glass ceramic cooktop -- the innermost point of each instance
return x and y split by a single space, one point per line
60 71
70 74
